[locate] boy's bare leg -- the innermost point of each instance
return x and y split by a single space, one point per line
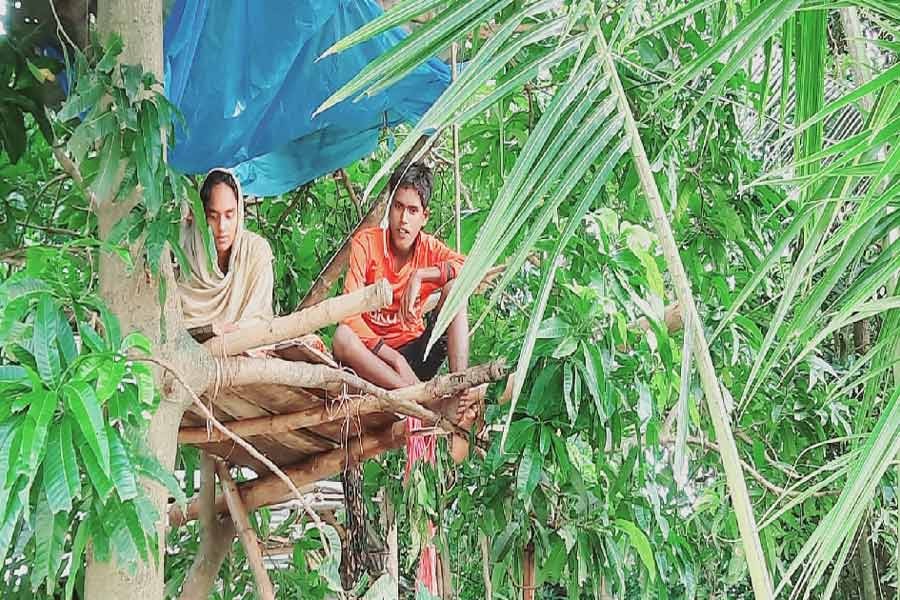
457 334
349 350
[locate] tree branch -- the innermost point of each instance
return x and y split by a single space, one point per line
216 535
245 532
280 329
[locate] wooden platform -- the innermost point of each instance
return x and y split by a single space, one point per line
333 428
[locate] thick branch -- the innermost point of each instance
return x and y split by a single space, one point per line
216 535
245 532
269 490
372 297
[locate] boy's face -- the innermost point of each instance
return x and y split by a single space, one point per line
221 214
406 218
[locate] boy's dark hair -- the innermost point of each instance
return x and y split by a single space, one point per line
212 180
416 176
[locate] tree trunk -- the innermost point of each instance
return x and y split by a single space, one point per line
132 296
528 572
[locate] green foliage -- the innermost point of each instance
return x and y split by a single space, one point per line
72 412
21 79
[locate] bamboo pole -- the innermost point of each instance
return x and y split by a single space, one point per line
759 573
245 533
280 329
415 398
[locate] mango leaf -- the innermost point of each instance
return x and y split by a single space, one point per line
43 403
49 539
109 376
79 543
56 477
110 159
85 408
43 339
122 473
641 544
529 474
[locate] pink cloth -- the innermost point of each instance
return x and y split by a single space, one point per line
422 447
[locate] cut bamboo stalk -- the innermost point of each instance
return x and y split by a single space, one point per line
759 573
245 533
281 329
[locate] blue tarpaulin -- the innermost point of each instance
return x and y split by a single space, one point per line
244 75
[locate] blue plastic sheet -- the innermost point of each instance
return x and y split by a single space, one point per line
244 75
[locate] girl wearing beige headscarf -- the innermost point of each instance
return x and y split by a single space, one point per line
235 288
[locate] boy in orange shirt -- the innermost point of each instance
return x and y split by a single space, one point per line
387 347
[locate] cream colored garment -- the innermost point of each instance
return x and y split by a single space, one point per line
244 294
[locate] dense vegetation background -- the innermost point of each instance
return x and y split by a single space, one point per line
773 143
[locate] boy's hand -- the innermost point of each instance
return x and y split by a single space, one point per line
411 298
469 406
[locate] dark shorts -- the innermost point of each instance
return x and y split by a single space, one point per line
414 353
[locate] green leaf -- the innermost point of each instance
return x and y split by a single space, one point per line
150 130
135 339
592 379
529 473
79 543
43 339
86 410
107 172
42 404
110 57
49 539
122 473
57 474
641 544
144 378
109 375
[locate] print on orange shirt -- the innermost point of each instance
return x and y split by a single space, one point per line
371 260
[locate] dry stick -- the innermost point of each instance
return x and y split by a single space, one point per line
486 568
280 329
245 532
242 443
759 574
341 174
215 537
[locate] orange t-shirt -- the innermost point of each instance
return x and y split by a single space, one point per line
371 260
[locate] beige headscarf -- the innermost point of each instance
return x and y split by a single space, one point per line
242 295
